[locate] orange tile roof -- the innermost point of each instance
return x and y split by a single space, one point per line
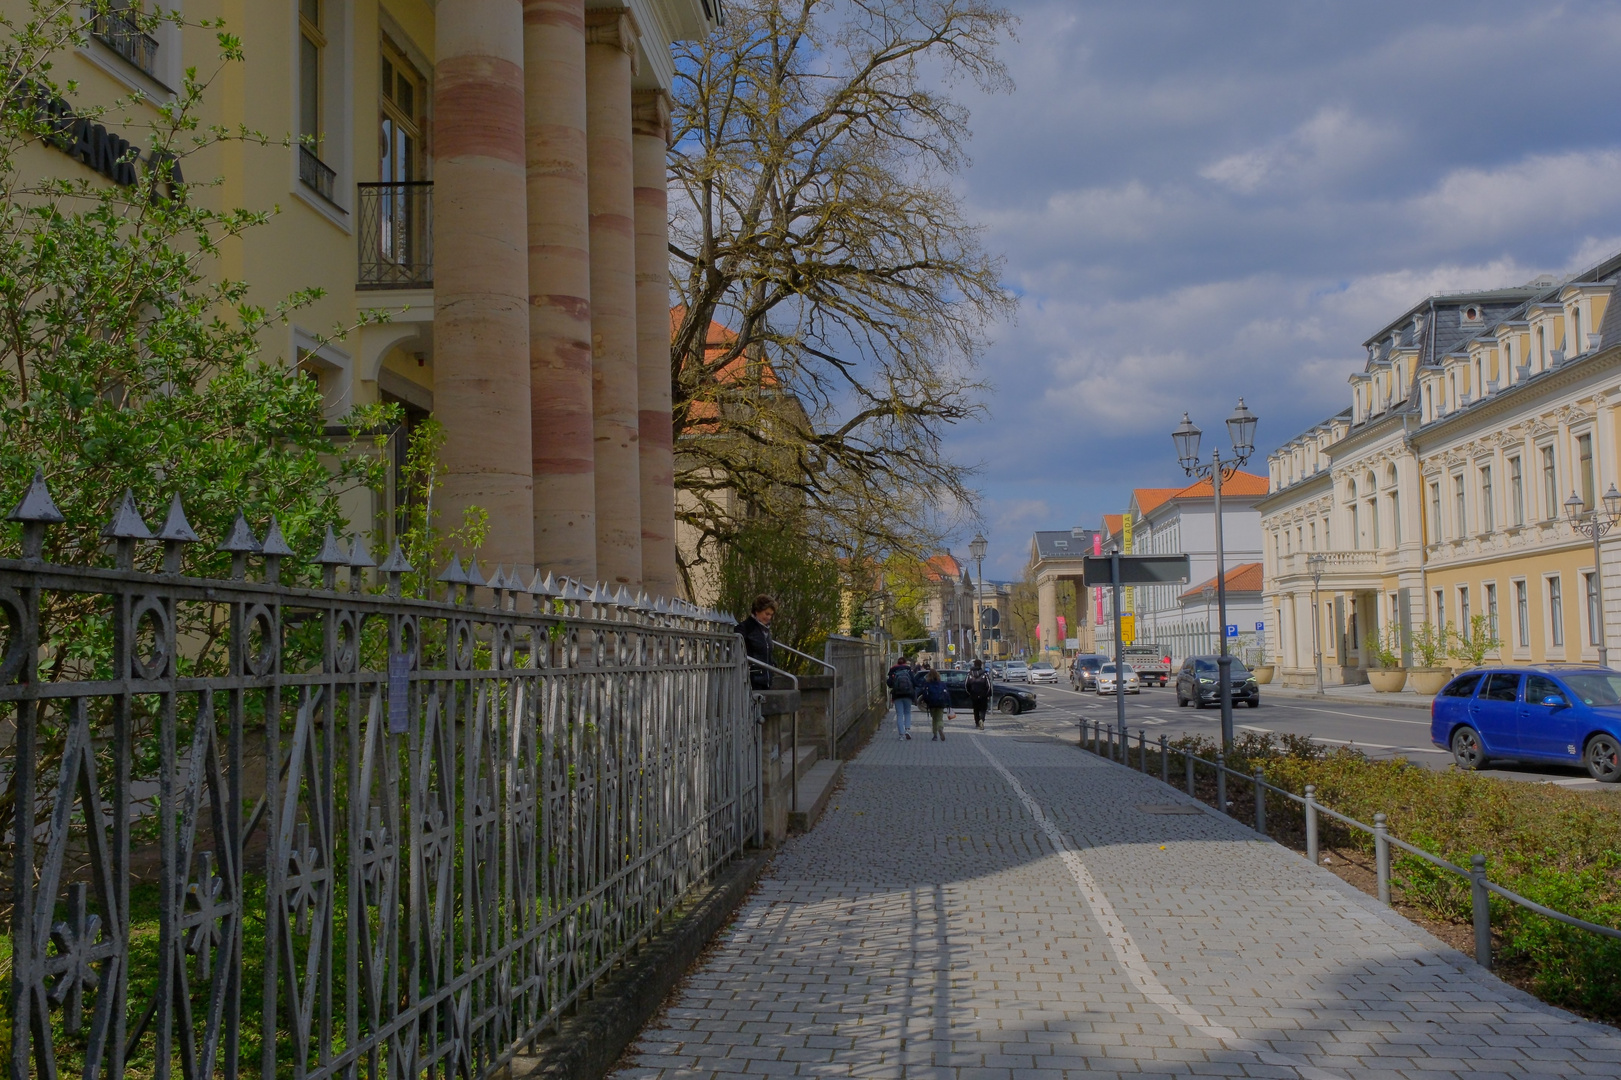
943 566
1150 499
717 340
1112 523
1245 577
1242 483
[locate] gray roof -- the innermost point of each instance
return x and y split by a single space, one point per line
1059 544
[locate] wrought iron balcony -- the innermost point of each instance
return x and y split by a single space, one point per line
316 174
396 235
120 34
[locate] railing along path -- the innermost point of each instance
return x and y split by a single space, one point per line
379 837
1107 741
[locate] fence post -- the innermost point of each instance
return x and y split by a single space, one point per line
1311 823
1164 762
1092 739
1381 856
1260 801
1187 763
1142 750
1483 912
1221 781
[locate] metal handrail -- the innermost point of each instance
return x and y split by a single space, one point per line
793 736
1480 885
832 699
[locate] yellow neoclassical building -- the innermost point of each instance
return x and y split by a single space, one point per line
490 173
1441 493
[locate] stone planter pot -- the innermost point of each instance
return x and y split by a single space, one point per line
1387 680
1428 680
1262 673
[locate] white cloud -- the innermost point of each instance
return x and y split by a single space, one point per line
1536 192
1332 146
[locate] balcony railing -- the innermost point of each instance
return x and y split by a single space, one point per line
316 174
396 235
120 34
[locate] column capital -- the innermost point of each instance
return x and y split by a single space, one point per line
614 26
650 114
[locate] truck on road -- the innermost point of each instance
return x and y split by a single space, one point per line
1151 662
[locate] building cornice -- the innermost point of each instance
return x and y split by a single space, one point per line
1515 397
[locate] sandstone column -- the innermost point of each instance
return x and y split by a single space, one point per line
650 138
1047 610
609 58
481 305
559 287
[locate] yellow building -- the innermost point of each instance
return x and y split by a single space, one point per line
490 173
1441 494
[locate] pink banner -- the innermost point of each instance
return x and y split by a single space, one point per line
1097 549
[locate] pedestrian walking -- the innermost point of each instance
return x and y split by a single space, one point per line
979 692
937 699
756 633
902 689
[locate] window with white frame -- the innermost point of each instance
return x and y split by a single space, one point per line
1595 620
1486 522
1550 483
1459 507
1522 614
1516 491
1491 606
1435 512
1440 608
1463 609
1556 610
1584 469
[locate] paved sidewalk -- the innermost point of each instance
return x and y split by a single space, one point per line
1003 907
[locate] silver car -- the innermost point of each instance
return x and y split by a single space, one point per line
1106 680
1016 671
1043 672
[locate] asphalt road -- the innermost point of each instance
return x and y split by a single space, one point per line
1378 731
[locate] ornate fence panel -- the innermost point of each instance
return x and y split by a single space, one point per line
380 837
860 665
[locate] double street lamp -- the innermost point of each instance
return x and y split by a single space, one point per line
1241 430
976 548
1594 523
1314 565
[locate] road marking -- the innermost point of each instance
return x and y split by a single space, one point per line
1125 949
1359 716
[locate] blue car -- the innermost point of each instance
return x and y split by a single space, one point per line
1544 712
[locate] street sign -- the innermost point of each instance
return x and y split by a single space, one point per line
1232 629
1128 629
1260 628
1135 570
989 617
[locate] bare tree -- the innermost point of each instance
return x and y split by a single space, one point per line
814 220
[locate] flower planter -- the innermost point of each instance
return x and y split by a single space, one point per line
1388 680
1262 673
1428 680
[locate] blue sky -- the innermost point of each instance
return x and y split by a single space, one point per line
1198 201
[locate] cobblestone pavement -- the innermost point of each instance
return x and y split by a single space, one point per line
1001 906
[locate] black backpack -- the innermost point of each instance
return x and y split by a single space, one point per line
978 685
902 682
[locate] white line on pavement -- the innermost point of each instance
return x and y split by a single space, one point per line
1359 716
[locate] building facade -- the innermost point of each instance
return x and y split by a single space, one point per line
489 175
1439 496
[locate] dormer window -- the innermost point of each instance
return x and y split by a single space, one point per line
1472 314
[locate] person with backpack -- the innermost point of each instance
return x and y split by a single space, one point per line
902 689
979 692
937 699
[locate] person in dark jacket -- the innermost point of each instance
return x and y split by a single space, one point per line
979 692
903 687
756 632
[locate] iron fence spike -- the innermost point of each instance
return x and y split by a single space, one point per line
240 540
176 529
359 557
275 543
396 562
662 607
36 505
474 577
543 587
454 574
622 598
332 553
126 523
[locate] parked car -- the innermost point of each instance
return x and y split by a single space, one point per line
1561 713
1083 671
1016 671
1151 662
997 667
1004 698
1133 685
1196 682
1043 672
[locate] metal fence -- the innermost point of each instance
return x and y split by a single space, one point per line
385 837
859 665
396 235
1107 741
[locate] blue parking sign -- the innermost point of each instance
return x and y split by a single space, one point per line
1232 629
1260 628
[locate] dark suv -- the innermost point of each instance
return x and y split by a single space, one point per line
1083 672
1196 681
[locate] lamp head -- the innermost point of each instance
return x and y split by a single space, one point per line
1241 428
977 546
1573 508
1186 438
1612 502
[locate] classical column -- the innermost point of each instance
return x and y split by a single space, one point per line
610 53
559 287
481 274
650 138
1047 610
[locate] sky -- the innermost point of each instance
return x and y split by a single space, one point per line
1200 201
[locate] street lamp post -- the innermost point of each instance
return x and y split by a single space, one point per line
1314 565
1241 430
1593 523
976 549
